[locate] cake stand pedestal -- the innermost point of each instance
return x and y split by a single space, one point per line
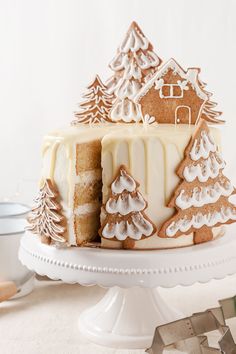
127 315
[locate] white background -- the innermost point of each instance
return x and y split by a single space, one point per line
51 49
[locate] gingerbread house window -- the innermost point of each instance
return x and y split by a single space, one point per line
171 91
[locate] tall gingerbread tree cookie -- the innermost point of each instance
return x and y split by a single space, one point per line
202 197
46 219
134 62
125 220
97 105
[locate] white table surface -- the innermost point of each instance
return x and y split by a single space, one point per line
46 320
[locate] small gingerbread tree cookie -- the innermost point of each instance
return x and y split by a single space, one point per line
208 110
97 105
202 197
46 219
125 220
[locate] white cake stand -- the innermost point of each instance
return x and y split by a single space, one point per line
131 309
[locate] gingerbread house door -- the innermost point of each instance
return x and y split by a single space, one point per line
183 115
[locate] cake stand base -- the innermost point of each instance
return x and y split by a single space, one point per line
128 314
126 318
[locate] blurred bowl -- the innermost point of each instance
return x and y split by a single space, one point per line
12 209
11 269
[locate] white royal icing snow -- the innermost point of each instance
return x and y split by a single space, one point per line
190 77
147 60
122 229
199 220
122 183
205 169
126 111
202 148
203 195
126 204
127 89
132 59
134 41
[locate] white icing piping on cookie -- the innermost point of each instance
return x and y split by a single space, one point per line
205 169
133 229
147 61
203 148
191 76
134 58
199 220
134 41
97 105
127 88
126 111
46 217
203 195
126 204
123 182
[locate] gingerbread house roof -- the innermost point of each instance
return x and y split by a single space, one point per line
191 75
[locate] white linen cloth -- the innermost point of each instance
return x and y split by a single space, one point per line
46 321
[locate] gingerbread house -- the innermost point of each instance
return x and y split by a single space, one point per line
175 96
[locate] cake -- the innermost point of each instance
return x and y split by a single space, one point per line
140 166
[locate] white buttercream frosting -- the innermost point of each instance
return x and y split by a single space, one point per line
152 156
87 208
88 177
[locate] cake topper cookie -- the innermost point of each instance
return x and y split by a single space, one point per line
175 96
134 62
97 105
46 219
125 219
202 197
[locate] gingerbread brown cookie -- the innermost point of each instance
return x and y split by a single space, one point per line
125 219
46 219
202 197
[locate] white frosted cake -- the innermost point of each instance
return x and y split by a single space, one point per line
140 167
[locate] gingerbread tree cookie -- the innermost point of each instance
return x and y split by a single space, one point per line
125 220
202 197
46 219
208 113
97 105
134 62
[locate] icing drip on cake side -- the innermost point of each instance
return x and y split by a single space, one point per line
151 155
